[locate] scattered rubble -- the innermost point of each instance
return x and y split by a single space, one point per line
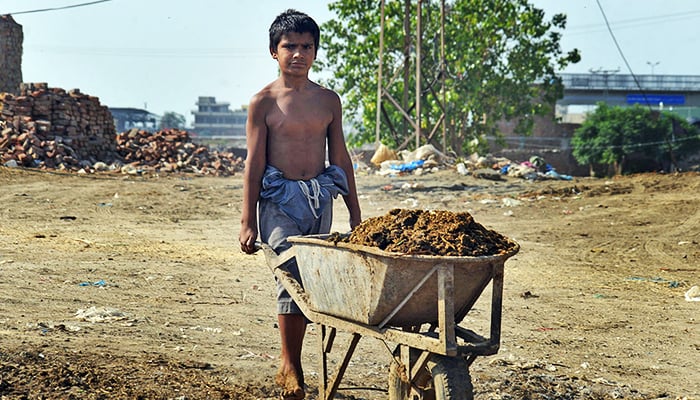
427 158
50 128
171 150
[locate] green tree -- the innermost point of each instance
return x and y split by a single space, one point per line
610 135
172 120
496 50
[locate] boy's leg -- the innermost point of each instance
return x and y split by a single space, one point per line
275 227
290 375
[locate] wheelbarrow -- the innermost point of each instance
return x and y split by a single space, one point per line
415 301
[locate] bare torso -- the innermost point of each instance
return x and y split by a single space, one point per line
297 123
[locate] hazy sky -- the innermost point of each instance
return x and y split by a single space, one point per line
162 54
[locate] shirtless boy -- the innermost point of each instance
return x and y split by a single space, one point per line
288 189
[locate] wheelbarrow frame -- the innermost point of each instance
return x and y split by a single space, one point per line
445 338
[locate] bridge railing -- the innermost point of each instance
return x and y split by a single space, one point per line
676 83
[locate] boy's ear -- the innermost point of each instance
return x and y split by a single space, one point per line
273 54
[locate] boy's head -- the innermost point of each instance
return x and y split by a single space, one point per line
293 21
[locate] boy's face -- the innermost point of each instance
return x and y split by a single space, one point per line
295 52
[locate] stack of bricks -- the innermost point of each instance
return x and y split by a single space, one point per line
55 128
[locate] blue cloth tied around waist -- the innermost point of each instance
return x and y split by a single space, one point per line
304 200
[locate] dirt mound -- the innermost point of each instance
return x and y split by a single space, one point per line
60 375
435 233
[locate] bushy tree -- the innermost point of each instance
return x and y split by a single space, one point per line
501 58
610 135
172 120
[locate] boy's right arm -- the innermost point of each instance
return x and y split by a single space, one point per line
256 161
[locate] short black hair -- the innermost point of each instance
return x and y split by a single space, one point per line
293 21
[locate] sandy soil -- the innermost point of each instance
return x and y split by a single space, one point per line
134 288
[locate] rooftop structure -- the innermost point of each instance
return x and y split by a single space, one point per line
677 93
128 118
214 118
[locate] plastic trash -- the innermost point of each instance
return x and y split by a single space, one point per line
693 294
407 167
555 175
509 202
462 169
101 314
100 283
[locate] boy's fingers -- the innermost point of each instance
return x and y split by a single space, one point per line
248 246
244 246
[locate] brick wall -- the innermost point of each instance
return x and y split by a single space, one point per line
11 38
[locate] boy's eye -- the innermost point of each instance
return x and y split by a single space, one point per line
292 46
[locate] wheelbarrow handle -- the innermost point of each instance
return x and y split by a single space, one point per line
273 259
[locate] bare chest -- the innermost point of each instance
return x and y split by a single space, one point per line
291 117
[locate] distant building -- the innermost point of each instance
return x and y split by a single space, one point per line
128 118
213 118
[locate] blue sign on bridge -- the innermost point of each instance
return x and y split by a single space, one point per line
656 99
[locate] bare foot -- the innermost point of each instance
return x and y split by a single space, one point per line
292 384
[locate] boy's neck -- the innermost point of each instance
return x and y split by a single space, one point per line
295 82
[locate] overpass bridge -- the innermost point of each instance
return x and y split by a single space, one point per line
678 93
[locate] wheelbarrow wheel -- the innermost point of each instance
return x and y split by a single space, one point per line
451 378
446 378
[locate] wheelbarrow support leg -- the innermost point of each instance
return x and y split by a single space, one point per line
326 338
496 306
328 389
446 309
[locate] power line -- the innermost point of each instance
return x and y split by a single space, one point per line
633 22
659 144
59 8
154 52
622 54
594 146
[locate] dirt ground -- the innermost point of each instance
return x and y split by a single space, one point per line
133 287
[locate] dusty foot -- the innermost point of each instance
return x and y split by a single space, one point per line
292 384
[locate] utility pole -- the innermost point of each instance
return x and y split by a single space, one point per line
380 73
652 65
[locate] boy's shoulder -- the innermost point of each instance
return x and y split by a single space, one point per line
275 89
264 95
324 92
327 91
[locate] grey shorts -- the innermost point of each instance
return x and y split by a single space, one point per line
275 227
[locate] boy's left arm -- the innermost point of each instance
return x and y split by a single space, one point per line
338 155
